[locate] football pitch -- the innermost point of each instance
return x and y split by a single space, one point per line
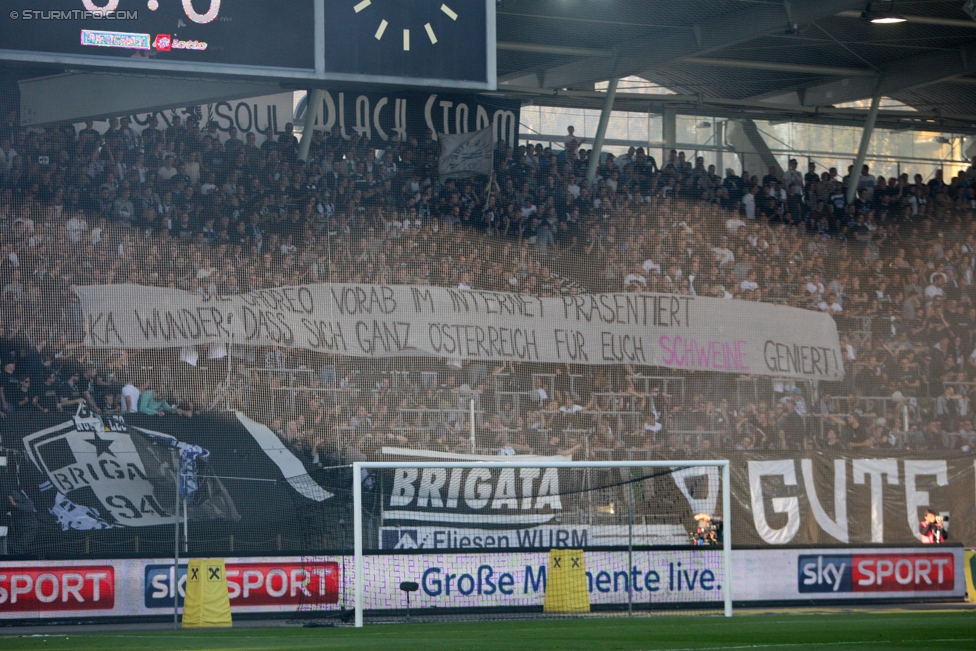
801 632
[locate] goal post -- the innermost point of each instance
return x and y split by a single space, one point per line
482 537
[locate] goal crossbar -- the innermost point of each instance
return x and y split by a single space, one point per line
357 491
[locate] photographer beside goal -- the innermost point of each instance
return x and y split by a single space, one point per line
708 531
931 529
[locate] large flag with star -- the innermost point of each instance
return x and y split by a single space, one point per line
114 476
118 474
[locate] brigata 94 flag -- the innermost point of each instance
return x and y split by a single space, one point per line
106 483
667 330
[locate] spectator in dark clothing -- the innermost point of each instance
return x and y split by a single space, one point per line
23 522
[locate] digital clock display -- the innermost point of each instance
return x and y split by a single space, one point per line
422 39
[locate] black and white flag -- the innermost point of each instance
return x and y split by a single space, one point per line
110 473
467 154
94 472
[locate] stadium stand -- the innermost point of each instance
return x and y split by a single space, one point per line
179 208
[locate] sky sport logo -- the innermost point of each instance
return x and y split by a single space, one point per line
283 584
843 573
49 589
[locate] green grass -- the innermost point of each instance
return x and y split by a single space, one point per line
798 632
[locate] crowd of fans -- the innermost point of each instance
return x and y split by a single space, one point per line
187 206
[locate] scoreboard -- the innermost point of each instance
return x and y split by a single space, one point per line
223 32
419 42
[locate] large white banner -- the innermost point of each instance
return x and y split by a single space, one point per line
680 332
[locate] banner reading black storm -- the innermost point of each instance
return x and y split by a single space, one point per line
378 116
679 332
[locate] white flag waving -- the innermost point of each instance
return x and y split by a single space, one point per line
466 154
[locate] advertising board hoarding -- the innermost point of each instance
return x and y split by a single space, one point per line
543 537
269 585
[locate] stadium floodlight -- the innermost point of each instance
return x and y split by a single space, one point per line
886 19
882 17
541 536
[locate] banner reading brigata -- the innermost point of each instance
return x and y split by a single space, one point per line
680 332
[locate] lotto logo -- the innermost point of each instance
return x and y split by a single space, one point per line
163 42
839 573
47 589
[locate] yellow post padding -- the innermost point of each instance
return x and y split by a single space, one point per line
207 602
970 563
566 588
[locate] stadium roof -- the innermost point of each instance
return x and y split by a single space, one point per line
801 60
795 54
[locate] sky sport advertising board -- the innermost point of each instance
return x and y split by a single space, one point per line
848 574
141 587
276 584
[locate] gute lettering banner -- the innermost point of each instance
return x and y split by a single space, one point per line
679 332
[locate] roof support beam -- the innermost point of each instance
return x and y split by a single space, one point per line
903 74
539 48
669 127
313 121
656 49
751 147
781 67
746 108
601 131
862 150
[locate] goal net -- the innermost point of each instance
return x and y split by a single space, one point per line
540 537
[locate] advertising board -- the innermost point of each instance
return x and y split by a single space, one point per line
262 584
848 574
58 587
543 537
269 585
